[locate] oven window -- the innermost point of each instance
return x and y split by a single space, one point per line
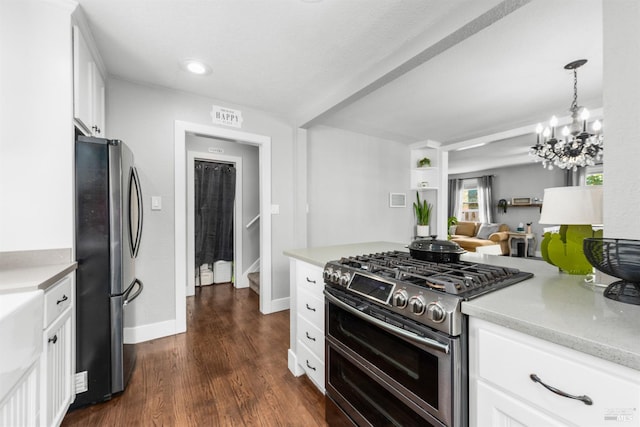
410 366
371 400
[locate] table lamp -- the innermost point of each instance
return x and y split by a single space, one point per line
576 210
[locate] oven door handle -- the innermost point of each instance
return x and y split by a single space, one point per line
433 344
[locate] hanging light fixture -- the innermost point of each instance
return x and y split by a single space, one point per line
580 145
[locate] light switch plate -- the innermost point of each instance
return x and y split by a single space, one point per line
156 203
275 209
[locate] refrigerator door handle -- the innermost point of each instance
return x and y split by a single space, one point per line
127 295
135 212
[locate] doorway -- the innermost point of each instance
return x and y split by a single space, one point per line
192 158
181 130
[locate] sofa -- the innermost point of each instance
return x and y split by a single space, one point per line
471 235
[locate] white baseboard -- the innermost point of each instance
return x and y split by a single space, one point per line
280 304
292 363
138 334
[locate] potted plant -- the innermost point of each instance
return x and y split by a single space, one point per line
422 210
425 161
452 220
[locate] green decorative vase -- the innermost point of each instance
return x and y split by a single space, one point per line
564 249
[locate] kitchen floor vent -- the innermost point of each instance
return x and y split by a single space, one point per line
81 382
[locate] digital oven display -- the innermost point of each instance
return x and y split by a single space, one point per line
372 288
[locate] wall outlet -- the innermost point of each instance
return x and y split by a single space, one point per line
81 382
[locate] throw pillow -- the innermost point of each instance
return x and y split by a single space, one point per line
466 229
487 230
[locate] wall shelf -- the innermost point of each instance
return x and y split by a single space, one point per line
528 205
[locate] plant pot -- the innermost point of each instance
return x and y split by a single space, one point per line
422 230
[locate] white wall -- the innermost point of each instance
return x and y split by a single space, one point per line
350 176
143 117
621 103
36 131
250 189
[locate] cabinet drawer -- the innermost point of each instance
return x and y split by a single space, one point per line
614 389
311 308
56 300
309 278
311 364
311 336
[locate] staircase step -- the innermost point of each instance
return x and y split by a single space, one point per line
254 281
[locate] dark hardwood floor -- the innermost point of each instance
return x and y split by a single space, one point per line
229 369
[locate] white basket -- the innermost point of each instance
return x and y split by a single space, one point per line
221 271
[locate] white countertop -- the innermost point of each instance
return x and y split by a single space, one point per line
25 271
553 306
321 255
24 279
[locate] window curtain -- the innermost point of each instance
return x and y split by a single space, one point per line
455 187
214 194
485 198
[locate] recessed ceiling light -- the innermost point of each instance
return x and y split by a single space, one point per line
196 67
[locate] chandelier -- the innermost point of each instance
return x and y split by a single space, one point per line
577 147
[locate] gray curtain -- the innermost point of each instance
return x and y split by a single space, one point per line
485 198
455 186
214 193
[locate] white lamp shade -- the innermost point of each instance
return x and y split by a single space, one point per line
572 205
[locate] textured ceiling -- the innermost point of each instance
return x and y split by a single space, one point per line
407 70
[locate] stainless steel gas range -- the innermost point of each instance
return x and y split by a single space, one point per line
396 343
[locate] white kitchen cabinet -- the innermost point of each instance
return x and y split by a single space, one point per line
502 392
307 322
88 87
57 361
21 406
21 337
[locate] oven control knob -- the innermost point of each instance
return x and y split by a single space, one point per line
327 273
344 279
435 312
417 305
400 298
335 276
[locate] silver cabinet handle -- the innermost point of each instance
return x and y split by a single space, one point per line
584 399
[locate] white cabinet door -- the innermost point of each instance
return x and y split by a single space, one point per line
97 102
20 407
504 363
82 87
57 363
499 409
57 371
88 88
307 322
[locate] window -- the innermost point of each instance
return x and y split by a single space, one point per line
469 201
594 175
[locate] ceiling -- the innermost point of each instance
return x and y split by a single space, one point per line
406 70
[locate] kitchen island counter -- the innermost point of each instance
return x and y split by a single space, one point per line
319 256
553 306
562 309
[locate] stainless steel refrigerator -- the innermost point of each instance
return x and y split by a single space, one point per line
108 227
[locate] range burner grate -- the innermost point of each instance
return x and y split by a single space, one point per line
459 278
